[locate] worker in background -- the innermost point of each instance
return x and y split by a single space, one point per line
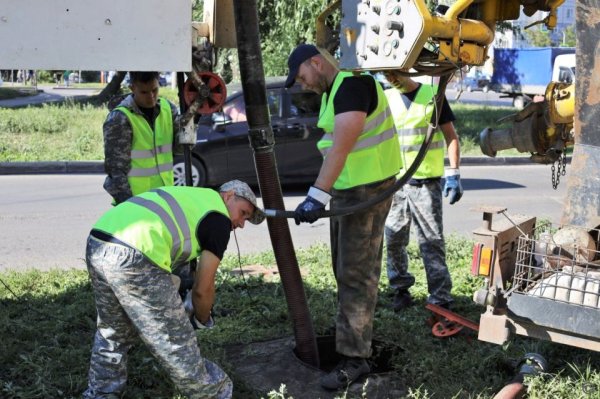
419 202
139 136
361 159
130 252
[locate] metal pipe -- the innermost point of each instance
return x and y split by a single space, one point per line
583 195
262 142
465 29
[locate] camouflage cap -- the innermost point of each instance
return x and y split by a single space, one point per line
242 190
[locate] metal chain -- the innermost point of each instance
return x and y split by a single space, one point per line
561 162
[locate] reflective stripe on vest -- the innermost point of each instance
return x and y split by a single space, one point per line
162 223
161 149
151 151
412 125
170 224
375 155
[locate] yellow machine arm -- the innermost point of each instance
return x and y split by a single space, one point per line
403 34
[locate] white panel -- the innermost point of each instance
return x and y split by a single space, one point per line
143 35
381 34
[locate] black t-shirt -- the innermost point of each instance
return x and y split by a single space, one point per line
213 233
446 116
150 114
356 93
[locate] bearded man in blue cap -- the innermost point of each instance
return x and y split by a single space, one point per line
360 160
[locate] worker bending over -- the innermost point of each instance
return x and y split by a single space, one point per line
130 253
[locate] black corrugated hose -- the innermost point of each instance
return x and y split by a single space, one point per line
262 141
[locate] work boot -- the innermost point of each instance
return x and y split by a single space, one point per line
402 300
348 370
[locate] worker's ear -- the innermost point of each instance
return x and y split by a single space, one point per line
316 62
227 195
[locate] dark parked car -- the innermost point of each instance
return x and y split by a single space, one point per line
474 83
223 152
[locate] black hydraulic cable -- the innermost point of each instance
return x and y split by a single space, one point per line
439 101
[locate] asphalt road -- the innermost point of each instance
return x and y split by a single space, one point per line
45 219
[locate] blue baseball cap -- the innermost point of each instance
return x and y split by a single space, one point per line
300 54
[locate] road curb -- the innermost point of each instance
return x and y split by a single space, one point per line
97 167
55 167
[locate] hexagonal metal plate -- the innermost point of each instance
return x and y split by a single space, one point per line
382 34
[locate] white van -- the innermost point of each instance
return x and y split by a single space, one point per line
564 68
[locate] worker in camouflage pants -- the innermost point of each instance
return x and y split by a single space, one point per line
419 202
414 205
356 252
123 279
360 161
130 255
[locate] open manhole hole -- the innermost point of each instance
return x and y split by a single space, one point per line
380 360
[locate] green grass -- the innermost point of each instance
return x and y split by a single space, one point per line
72 132
46 335
52 133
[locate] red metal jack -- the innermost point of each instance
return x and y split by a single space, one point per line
446 323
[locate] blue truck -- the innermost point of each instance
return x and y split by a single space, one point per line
523 73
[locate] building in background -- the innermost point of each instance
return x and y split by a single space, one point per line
516 37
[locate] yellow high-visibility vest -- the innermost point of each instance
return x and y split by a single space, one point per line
412 125
375 155
161 223
151 150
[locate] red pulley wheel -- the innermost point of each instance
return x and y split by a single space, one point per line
217 92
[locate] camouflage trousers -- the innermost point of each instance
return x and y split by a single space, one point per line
356 251
420 206
135 298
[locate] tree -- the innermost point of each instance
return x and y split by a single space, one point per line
538 37
569 37
282 26
112 88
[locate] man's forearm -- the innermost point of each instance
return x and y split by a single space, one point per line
330 170
118 187
452 144
203 303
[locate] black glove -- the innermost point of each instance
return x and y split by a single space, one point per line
312 207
